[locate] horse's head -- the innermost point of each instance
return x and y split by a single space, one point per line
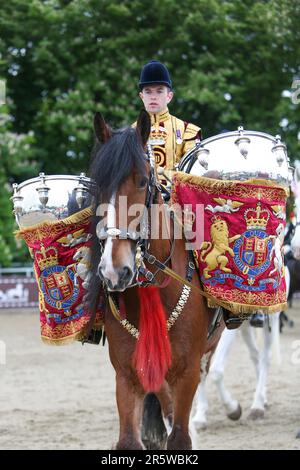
125 181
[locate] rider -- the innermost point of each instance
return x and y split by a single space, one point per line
170 137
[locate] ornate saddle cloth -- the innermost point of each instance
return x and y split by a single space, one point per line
61 253
240 232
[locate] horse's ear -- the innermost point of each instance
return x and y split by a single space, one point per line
144 126
102 130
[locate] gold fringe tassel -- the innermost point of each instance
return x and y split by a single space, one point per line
225 184
72 219
79 336
238 309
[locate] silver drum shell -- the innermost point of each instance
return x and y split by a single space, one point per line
50 198
240 155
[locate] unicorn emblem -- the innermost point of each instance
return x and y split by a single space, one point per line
83 268
277 250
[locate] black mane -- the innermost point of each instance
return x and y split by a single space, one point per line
111 164
113 161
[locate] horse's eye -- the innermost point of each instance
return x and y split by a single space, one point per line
143 182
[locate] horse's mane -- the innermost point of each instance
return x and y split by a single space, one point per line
113 161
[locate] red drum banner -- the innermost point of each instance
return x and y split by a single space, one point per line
61 253
241 258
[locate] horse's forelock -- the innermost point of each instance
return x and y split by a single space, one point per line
114 161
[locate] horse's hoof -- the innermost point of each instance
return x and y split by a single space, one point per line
256 414
236 414
298 434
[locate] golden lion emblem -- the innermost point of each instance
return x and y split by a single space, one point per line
213 254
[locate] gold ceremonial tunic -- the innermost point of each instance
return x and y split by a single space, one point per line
171 138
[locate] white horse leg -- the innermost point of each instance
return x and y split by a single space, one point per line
199 420
248 335
260 396
287 280
232 406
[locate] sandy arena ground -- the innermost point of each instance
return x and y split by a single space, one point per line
64 398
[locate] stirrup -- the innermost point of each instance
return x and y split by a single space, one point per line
231 321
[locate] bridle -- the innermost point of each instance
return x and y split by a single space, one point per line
143 277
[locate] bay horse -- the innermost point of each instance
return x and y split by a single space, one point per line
157 334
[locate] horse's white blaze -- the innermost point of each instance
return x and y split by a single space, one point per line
126 257
106 263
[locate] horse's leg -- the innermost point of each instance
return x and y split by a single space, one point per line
260 397
165 398
183 393
130 407
232 406
157 418
287 280
200 403
248 335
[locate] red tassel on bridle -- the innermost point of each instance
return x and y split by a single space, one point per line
152 356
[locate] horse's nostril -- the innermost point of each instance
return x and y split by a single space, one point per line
125 274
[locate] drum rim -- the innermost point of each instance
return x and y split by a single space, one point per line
223 135
37 179
245 132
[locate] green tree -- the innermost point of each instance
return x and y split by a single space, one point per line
15 152
230 61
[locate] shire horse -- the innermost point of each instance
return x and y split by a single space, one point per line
156 326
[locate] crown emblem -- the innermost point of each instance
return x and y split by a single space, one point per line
46 257
257 218
158 134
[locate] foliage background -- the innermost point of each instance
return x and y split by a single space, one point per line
232 62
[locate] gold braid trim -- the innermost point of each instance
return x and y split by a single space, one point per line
237 188
238 309
63 334
79 336
39 231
